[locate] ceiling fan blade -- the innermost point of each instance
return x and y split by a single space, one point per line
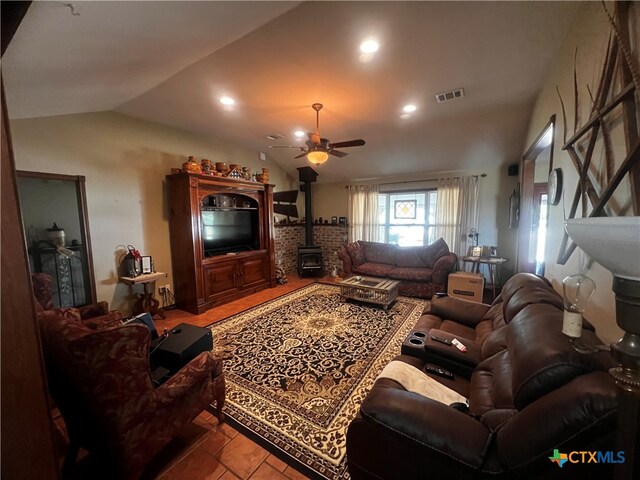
338 153
301 155
349 143
286 146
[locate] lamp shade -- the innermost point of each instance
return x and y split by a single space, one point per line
317 157
613 242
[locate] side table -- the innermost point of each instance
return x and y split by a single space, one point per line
147 302
492 264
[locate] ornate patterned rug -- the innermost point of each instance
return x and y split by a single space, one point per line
298 367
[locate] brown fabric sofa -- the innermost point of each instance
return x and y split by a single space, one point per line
530 394
422 271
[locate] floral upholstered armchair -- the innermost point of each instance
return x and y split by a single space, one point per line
96 315
101 382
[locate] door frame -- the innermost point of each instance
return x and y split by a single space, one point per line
83 217
527 170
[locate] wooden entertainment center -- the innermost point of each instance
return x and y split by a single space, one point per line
222 245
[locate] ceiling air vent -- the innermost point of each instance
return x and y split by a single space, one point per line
445 96
275 136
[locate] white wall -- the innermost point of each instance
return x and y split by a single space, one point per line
588 33
124 161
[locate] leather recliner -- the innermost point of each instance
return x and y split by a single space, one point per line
480 327
531 393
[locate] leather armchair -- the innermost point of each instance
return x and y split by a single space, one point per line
101 381
96 315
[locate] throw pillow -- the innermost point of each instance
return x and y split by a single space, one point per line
431 253
356 253
409 257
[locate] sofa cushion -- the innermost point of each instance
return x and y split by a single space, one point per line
530 296
458 330
410 257
426 322
379 252
356 252
411 274
431 253
373 269
542 359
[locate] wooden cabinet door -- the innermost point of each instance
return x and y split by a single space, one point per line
220 279
254 271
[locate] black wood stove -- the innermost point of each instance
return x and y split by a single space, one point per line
310 255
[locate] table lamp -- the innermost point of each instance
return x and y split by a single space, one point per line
614 242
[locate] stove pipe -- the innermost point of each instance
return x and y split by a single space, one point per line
308 176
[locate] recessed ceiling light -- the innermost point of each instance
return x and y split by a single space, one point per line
298 133
228 101
409 108
369 46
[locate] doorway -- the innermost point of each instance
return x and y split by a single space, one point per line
536 165
56 229
537 242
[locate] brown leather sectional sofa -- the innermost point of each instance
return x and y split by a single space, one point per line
529 393
422 271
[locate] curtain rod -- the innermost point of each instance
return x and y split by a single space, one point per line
423 180
428 179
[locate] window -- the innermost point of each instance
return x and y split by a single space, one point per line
407 218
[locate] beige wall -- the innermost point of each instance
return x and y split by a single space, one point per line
588 33
124 161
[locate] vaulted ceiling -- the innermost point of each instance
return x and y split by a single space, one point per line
170 62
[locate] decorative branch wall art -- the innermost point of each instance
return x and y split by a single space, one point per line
613 106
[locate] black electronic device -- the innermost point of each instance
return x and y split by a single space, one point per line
446 341
439 371
160 375
179 348
145 319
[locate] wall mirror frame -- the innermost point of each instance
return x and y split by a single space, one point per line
77 291
534 173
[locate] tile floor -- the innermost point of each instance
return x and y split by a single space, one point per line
206 449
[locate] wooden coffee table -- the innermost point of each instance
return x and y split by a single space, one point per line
380 291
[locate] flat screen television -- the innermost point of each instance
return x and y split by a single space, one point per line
225 231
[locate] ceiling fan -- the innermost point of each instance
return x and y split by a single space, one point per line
318 148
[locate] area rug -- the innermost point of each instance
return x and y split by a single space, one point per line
298 367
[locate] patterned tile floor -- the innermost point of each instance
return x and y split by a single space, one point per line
206 449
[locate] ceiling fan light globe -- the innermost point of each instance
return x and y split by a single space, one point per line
317 157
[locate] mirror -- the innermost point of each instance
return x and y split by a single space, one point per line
536 165
55 222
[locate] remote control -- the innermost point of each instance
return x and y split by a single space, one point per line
439 371
435 338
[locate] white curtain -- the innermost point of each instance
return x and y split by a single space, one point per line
363 213
457 211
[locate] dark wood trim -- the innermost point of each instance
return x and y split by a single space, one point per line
51 176
81 196
27 430
527 170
